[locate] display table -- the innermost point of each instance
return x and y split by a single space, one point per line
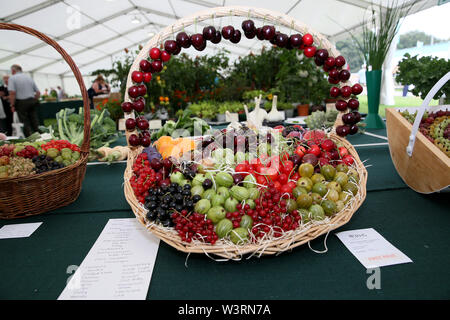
418 225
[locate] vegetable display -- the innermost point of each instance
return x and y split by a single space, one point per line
241 186
70 126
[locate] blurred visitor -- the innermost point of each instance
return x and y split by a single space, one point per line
99 86
4 95
61 93
24 98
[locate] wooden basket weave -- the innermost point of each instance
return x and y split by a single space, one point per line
224 248
39 193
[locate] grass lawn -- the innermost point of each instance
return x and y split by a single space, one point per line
399 102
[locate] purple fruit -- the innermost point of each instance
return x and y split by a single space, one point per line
310 158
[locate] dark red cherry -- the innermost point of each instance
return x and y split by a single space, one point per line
333 80
197 40
145 141
248 25
295 40
260 34
130 124
227 32
353 129
144 65
353 104
250 34
346 91
142 89
357 89
281 40
348 118
334 73
157 65
341 105
322 54
127 107
317 61
133 91
183 40
133 140
236 37
142 124
269 32
170 46
357 116
154 53
209 32
344 75
340 61
343 130
335 92
139 105
217 37
330 62
137 76
165 56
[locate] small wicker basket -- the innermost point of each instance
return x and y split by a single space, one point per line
26 196
223 248
422 166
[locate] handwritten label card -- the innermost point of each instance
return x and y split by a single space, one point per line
119 266
20 230
371 249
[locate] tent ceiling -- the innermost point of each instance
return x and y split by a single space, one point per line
95 33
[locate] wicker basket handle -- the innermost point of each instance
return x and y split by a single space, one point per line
421 111
72 65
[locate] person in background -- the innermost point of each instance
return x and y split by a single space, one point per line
4 95
99 86
24 98
61 94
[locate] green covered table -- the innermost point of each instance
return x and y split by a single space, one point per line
418 225
48 110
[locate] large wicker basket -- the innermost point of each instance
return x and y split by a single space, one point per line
35 194
422 166
222 248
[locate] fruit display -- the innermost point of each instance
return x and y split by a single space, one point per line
240 186
153 63
28 158
435 126
321 120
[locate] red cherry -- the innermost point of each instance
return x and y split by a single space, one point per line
346 91
334 73
127 106
137 76
133 91
357 116
227 32
183 40
330 62
248 25
268 32
343 130
260 34
357 89
130 124
157 65
353 104
147 77
335 92
344 75
308 39
133 140
145 65
145 141
197 40
281 40
139 105
310 51
217 38
170 46
165 56
348 118
340 61
295 40
318 61
333 80
322 54
341 105
142 89
209 32
236 37
155 53
142 124
353 129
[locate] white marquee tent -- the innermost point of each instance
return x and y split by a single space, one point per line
95 33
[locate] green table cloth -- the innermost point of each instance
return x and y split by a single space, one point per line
48 110
418 225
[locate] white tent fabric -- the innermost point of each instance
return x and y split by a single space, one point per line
95 33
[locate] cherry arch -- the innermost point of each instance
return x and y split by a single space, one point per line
343 89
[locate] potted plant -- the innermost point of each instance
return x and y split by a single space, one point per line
378 34
423 73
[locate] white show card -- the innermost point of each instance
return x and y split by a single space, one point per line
371 249
119 265
20 230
